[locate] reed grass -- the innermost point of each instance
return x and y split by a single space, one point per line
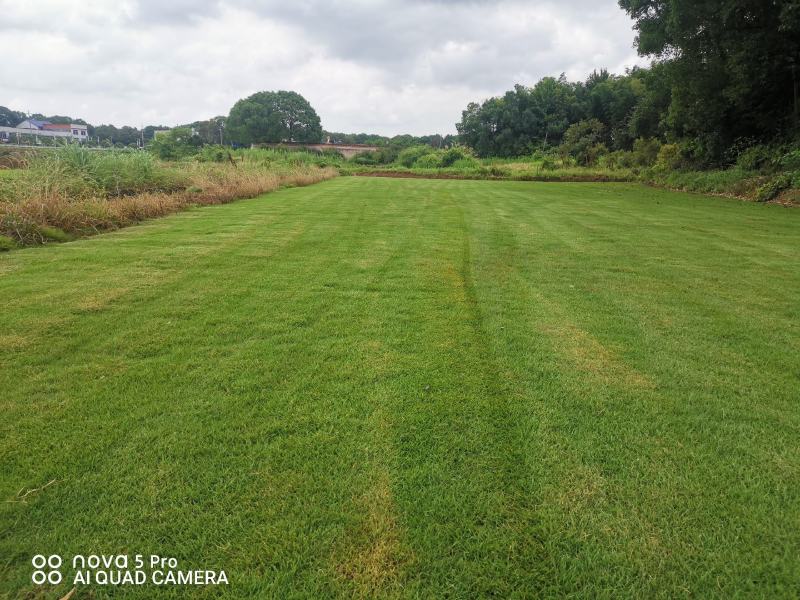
75 192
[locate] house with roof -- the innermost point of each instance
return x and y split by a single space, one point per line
32 124
46 128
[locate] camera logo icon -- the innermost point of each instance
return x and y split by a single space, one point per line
46 569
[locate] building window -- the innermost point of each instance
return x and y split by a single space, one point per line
75 132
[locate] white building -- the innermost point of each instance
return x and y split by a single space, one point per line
39 128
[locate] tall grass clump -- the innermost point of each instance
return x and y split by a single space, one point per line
74 172
288 158
74 192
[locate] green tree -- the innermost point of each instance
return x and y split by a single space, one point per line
648 118
117 136
211 131
273 117
555 104
521 120
733 66
175 144
583 141
10 118
612 100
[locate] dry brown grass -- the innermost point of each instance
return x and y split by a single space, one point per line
12 158
55 217
377 557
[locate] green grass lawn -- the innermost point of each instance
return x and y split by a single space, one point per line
413 388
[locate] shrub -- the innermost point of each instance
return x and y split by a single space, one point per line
595 153
409 156
645 151
367 158
773 187
669 157
175 144
452 155
429 161
755 158
583 140
791 160
620 159
388 154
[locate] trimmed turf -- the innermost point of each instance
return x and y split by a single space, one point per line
414 388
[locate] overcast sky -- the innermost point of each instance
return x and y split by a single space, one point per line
381 66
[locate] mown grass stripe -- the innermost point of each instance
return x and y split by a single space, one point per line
414 388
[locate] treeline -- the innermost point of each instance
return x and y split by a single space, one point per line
211 131
725 78
104 135
528 119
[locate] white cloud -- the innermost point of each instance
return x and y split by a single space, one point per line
377 66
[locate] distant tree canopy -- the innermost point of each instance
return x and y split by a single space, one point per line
726 75
525 119
211 131
107 135
117 136
59 119
371 139
273 117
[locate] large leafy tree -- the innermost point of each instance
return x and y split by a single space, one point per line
273 117
612 100
10 118
733 65
648 119
554 108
